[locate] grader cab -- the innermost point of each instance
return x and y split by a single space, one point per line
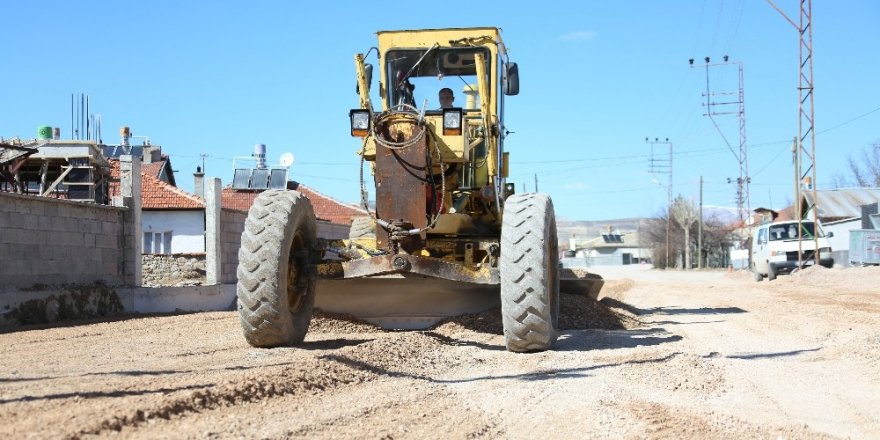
447 233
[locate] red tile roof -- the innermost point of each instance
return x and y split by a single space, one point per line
160 195
238 200
153 168
156 194
326 208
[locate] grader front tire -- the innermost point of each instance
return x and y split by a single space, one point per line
529 273
276 291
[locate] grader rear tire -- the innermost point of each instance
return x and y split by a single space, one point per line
276 290
529 273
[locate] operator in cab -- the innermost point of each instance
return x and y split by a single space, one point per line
446 97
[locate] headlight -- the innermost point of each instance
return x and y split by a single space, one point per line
825 253
451 121
360 122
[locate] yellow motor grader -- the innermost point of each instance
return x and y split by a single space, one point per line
447 233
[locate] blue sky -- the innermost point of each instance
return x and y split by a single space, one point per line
597 78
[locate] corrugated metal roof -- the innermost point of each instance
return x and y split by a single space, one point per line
843 203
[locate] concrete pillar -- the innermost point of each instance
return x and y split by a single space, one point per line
130 191
213 249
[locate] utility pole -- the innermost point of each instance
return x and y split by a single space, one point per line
743 203
806 139
796 164
536 182
663 166
700 235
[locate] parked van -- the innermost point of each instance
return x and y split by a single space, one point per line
775 248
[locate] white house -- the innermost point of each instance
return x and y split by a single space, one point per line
840 211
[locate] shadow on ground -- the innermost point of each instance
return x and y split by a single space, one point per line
599 339
550 373
613 303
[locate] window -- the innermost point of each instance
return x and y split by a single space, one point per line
157 242
430 71
762 236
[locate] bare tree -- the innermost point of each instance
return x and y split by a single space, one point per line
717 240
865 169
685 214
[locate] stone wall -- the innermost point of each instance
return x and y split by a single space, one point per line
47 241
173 270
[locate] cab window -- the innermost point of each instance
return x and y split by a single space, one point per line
762 236
417 75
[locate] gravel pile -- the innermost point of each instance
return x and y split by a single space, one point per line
865 279
325 322
576 312
575 273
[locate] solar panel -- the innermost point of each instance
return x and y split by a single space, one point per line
260 179
114 151
242 178
278 179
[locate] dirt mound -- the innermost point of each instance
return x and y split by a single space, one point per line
856 279
576 312
615 288
407 353
811 272
325 322
575 273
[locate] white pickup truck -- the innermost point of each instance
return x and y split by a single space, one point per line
775 248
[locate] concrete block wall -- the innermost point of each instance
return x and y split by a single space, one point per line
46 241
231 227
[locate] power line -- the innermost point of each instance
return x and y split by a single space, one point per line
848 121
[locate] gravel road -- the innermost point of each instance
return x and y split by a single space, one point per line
664 354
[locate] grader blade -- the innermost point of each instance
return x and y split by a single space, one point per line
404 301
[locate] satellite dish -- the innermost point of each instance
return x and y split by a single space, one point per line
286 159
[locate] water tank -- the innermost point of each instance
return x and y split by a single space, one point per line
56 133
260 155
44 132
124 135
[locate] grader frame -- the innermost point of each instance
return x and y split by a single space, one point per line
447 230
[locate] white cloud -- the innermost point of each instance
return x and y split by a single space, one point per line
575 185
578 36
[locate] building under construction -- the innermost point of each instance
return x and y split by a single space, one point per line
77 170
